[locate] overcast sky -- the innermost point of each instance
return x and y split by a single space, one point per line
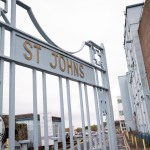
70 22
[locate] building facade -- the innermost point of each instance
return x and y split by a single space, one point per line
126 104
144 36
28 120
54 128
137 77
121 114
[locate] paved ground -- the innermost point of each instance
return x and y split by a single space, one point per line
120 140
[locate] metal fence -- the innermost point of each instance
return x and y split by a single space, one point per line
48 58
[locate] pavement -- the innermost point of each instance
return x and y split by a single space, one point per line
120 142
125 142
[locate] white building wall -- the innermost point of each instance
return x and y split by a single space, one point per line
129 120
31 131
121 115
120 108
137 80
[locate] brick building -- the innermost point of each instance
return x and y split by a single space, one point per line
144 35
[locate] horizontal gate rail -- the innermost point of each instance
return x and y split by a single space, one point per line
8 59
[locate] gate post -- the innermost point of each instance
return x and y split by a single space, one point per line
12 81
105 80
1 73
1 68
95 91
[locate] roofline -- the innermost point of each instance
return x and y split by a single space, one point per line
127 7
134 5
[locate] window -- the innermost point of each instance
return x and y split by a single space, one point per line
56 130
123 124
121 113
119 101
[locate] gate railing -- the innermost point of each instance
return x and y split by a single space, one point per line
30 52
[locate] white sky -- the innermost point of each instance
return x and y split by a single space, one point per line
69 23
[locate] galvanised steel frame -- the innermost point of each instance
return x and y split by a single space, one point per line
102 97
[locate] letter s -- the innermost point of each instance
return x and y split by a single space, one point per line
81 71
28 50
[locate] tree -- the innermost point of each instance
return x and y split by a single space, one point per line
94 127
67 129
79 129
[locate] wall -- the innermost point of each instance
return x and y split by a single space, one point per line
144 35
120 108
129 121
137 77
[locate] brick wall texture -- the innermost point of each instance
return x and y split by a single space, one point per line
144 35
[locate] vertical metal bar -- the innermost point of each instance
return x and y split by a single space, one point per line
97 115
35 119
108 118
62 113
0 141
78 143
13 13
109 129
12 81
70 114
95 141
105 81
82 115
55 144
91 54
101 98
12 99
101 116
111 123
45 111
12 106
88 116
95 96
2 35
1 72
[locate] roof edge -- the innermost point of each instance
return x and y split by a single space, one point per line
134 5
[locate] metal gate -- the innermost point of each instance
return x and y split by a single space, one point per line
48 58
